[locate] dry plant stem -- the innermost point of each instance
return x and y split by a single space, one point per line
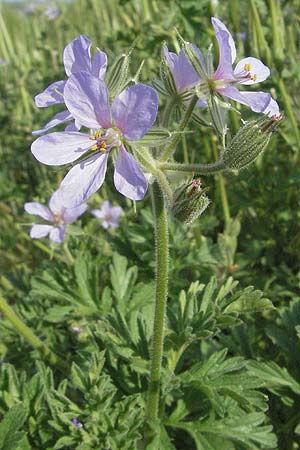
30 337
162 267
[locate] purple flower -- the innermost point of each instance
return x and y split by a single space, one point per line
247 71
225 79
3 62
131 115
52 12
184 75
76 57
242 35
30 8
57 214
77 423
108 214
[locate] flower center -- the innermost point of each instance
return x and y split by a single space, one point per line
57 219
106 139
247 68
107 217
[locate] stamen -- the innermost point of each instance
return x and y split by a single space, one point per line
253 77
247 67
101 146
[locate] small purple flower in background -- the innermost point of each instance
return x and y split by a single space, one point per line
108 214
57 214
52 12
77 423
133 112
3 62
241 35
29 9
77 329
76 57
247 71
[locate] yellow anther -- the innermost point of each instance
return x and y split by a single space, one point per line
247 67
101 146
253 77
97 135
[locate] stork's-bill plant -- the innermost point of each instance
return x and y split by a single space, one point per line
122 123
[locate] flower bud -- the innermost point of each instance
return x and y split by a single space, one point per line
167 78
189 202
117 76
249 142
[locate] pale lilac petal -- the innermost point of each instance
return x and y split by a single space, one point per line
77 55
83 180
115 212
39 231
272 109
50 96
128 177
71 214
55 203
72 127
183 72
37 209
224 70
105 208
57 234
201 104
105 224
56 149
220 26
258 71
257 101
135 110
99 64
99 213
58 119
87 99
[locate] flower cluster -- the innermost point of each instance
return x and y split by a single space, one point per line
102 121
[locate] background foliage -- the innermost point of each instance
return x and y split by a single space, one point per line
232 360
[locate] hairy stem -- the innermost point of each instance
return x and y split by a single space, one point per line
162 266
30 337
184 121
148 162
200 169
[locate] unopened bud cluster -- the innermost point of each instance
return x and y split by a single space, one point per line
190 201
249 142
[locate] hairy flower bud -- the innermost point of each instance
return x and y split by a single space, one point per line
167 78
117 76
249 142
189 202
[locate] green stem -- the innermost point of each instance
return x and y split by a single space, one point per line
222 188
290 113
68 254
184 121
30 337
200 169
149 164
162 266
224 199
